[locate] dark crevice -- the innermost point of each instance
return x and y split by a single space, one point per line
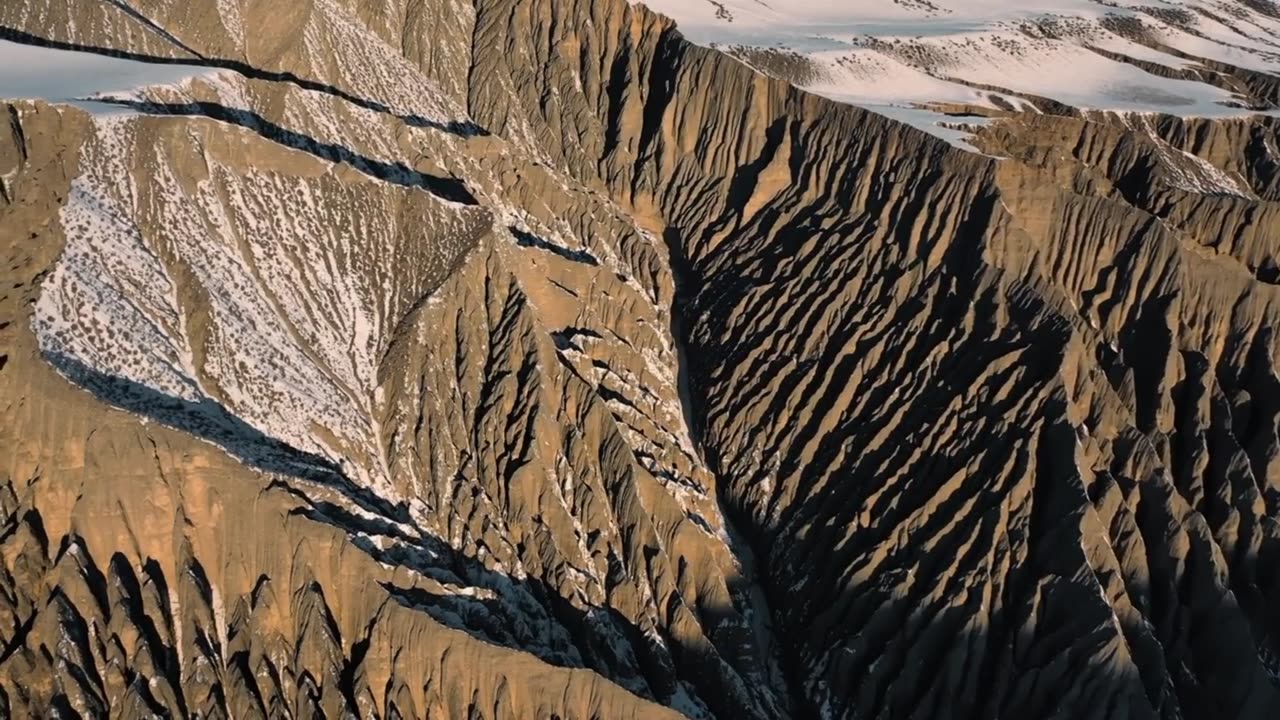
747 544
20 135
662 85
529 240
566 339
147 22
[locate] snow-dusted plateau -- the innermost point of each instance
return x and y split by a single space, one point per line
904 58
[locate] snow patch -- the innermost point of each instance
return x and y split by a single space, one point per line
900 58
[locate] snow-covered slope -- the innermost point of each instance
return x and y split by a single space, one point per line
894 55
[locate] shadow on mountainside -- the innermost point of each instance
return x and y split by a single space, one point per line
461 128
146 22
877 513
210 421
447 188
529 240
455 589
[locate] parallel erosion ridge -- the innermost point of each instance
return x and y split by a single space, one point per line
522 359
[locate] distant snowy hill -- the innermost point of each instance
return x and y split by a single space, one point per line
896 56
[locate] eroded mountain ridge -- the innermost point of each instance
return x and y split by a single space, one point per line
520 359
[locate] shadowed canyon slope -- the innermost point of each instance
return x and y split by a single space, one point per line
510 358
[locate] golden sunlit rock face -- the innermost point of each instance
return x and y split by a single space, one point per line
520 359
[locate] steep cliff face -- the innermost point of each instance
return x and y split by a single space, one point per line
964 406
521 359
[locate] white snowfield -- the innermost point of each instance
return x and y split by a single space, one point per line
898 56
28 72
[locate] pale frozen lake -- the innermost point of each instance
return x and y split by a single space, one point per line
30 72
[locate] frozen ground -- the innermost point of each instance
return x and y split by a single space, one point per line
65 76
896 56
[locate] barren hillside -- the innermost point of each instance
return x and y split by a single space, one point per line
525 359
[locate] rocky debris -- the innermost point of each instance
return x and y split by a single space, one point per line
787 65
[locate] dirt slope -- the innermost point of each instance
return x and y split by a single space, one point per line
502 359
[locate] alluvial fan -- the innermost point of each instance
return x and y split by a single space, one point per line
525 359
